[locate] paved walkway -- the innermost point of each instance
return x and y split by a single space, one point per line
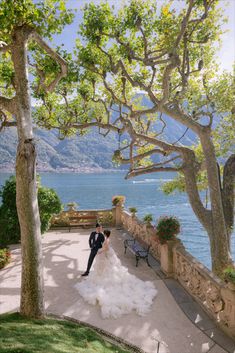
176 324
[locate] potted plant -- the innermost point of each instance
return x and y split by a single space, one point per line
72 206
118 200
167 228
229 277
133 210
148 218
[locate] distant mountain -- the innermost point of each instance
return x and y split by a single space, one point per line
91 152
78 153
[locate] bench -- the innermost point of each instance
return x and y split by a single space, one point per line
77 221
138 248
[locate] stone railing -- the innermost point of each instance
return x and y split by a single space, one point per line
217 298
72 216
143 231
214 295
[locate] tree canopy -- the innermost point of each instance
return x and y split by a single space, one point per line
142 69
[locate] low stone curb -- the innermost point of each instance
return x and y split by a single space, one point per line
111 338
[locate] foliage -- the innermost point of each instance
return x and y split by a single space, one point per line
49 204
46 18
229 274
133 210
118 200
19 334
9 225
5 257
48 201
148 218
49 17
167 228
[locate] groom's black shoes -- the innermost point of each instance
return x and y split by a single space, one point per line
85 274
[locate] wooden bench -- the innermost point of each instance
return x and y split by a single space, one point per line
84 221
138 248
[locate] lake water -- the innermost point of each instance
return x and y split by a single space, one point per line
92 191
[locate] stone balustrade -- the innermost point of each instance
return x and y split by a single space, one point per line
106 217
140 230
215 296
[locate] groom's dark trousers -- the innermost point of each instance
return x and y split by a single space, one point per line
95 241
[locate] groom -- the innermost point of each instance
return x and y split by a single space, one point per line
95 241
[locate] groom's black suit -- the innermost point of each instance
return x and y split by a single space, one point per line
95 241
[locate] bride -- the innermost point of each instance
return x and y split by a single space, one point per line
111 286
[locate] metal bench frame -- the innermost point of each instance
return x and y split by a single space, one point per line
137 249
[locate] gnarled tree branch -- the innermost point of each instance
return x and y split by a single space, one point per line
152 169
54 55
8 104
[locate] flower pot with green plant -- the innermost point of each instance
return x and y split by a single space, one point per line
118 200
148 218
72 206
133 211
167 228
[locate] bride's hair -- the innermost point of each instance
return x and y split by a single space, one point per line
107 232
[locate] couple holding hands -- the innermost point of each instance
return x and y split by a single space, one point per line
110 284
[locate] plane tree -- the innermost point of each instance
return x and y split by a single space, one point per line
25 25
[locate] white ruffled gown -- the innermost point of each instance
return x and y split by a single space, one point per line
116 290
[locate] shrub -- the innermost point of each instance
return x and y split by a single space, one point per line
167 228
148 218
118 200
5 257
229 274
48 202
133 210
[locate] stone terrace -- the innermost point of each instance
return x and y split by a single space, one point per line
176 324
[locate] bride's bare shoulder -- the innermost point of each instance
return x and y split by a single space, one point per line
106 242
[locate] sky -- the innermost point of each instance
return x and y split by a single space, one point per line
226 55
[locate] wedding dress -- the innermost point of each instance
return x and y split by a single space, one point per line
116 290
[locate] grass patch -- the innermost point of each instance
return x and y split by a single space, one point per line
21 335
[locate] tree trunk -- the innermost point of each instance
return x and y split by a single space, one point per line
228 194
32 304
220 250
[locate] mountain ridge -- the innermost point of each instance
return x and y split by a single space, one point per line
90 152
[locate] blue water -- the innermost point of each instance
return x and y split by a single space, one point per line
92 191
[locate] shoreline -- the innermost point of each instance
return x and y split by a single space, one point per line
68 171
